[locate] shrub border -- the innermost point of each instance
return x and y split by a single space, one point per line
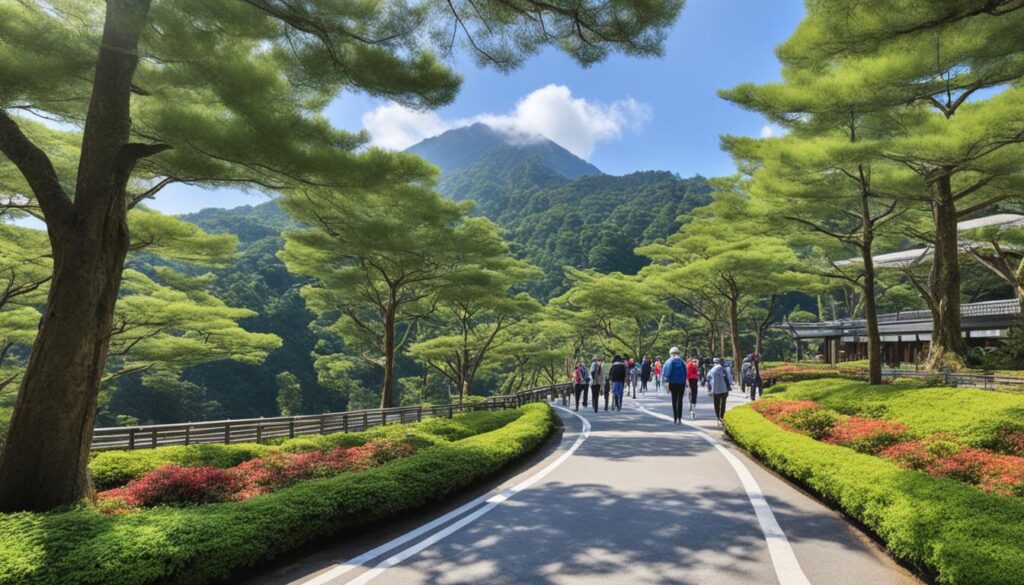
204 543
942 528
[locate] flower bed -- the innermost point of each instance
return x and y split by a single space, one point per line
939 455
176 485
210 542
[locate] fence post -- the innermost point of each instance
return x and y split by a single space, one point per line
131 439
259 430
291 427
153 439
419 413
188 435
227 433
344 422
366 420
323 423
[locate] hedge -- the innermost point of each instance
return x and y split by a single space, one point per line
973 415
112 469
211 542
942 527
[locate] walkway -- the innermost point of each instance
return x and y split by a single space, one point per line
638 501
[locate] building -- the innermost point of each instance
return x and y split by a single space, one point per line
905 335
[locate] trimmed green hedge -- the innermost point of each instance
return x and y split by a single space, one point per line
203 543
941 526
112 469
973 415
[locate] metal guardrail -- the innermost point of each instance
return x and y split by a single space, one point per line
260 429
982 381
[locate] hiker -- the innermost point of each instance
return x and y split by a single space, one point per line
617 374
657 373
635 377
747 377
580 381
719 387
692 378
645 374
758 381
675 376
597 379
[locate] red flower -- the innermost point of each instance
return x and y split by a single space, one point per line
1009 441
867 435
774 410
175 485
1003 475
966 465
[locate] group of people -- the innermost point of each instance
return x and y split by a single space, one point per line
677 374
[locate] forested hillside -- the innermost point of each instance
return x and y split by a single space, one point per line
554 211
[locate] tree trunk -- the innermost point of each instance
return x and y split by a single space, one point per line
947 346
387 388
45 457
734 333
868 294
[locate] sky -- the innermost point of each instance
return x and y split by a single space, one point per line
622 115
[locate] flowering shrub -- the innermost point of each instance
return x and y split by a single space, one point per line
1010 441
867 435
774 410
966 464
175 485
1004 475
172 484
920 453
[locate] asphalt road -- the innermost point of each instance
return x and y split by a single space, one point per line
625 498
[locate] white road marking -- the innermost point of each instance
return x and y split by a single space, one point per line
787 567
490 501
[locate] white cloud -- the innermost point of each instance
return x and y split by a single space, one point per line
550 112
397 127
767 131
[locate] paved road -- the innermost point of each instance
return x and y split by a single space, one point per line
636 500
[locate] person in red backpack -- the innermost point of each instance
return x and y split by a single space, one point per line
580 381
692 378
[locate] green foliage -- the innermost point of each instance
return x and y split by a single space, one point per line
289 394
816 422
207 543
111 469
974 415
940 526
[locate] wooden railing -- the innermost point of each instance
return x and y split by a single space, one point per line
982 381
260 429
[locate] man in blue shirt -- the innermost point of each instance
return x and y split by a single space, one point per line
674 374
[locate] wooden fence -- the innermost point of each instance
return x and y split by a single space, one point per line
260 429
982 381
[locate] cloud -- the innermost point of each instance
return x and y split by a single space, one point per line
767 131
397 127
550 112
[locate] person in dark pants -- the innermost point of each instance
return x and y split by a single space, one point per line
758 381
719 387
597 379
674 374
645 374
617 374
692 377
580 382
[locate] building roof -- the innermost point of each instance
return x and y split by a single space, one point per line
913 256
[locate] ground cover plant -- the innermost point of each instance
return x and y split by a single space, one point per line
200 543
937 488
111 469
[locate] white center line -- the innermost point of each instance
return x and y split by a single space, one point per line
490 501
787 567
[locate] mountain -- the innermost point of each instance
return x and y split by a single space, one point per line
557 209
461 148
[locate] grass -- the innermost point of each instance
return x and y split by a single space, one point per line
199 544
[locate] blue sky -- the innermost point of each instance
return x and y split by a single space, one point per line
650 114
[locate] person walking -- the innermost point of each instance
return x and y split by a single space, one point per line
645 374
617 374
719 387
657 373
675 376
597 379
747 377
692 378
580 382
758 381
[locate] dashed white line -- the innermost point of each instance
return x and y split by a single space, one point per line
489 501
787 567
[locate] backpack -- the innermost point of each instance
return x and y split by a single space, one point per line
597 370
580 375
